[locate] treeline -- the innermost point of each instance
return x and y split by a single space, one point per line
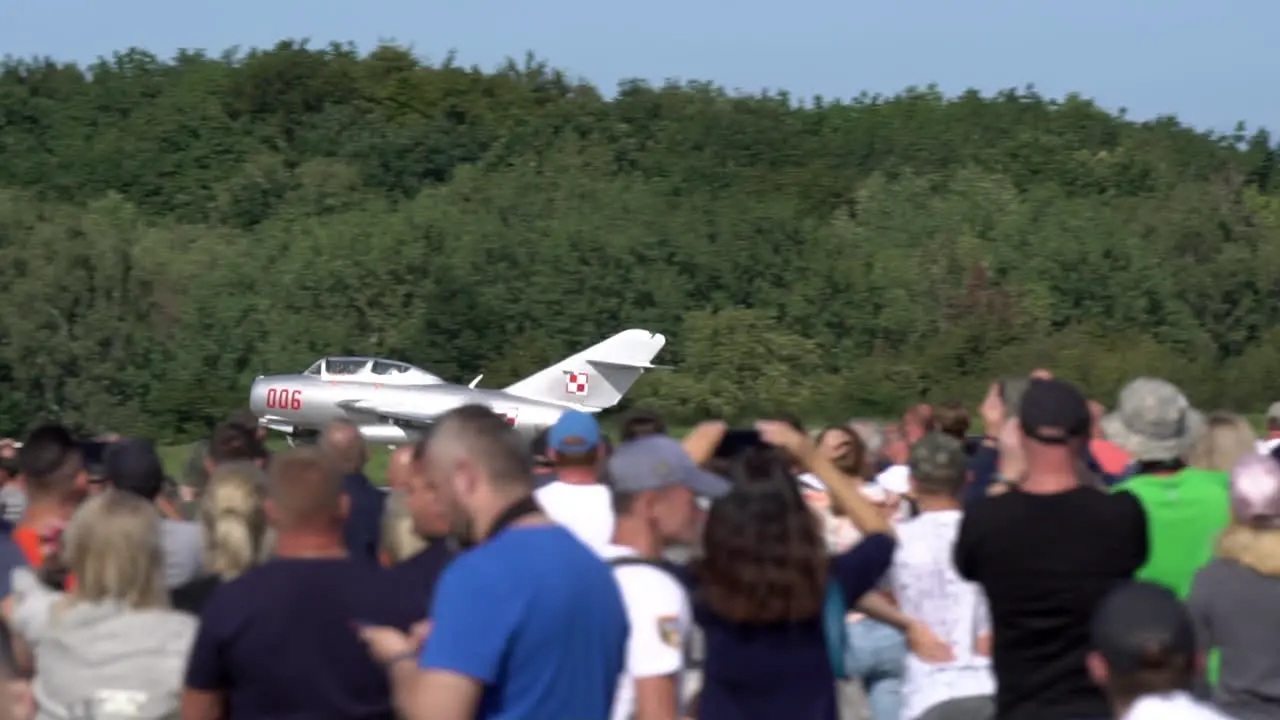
170 229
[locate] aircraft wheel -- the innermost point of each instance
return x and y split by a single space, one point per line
302 440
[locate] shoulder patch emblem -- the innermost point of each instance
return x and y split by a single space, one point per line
669 630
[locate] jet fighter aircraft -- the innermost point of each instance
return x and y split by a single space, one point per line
393 402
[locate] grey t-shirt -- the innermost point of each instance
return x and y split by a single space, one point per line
183 551
101 660
1238 610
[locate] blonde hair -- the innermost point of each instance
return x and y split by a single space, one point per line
1226 439
234 520
399 540
112 547
1253 547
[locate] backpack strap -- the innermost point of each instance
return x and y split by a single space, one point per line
651 562
633 560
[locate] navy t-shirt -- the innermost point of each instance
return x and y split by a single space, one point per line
781 670
280 642
537 618
364 521
422 571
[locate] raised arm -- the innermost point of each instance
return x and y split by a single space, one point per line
864 514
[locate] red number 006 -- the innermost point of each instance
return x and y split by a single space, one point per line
283 399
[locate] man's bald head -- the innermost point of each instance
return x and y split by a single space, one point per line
304 489
400 467
476 435
346 446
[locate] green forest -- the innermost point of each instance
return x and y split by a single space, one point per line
171 228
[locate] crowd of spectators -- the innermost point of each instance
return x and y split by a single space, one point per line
1066 563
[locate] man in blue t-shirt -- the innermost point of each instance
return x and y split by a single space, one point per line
529 623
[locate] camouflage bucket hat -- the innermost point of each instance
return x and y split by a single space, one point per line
1154 421
938 459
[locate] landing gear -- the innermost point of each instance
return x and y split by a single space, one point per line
302 438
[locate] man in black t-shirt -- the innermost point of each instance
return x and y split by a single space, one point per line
1046 553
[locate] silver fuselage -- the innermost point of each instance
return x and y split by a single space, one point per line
295 404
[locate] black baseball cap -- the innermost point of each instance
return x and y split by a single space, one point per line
1143 626
133 465
1054 412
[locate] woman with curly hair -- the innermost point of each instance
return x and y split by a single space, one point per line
763 587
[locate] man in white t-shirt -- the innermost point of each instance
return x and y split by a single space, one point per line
575 498
929 589
655 490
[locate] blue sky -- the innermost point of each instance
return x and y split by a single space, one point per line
1210 63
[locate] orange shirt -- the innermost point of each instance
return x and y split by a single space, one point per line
32 547
29 543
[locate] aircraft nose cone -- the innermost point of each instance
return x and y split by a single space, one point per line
258 396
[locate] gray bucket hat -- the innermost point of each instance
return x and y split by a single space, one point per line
1153 421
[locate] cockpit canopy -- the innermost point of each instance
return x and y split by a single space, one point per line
373 370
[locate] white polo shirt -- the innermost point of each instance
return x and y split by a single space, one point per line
661 618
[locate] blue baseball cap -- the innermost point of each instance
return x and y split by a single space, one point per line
657 461
575 431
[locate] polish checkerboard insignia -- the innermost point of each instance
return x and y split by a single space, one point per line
575 383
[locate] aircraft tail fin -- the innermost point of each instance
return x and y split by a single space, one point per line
597 377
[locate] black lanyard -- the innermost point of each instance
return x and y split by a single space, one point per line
517 511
